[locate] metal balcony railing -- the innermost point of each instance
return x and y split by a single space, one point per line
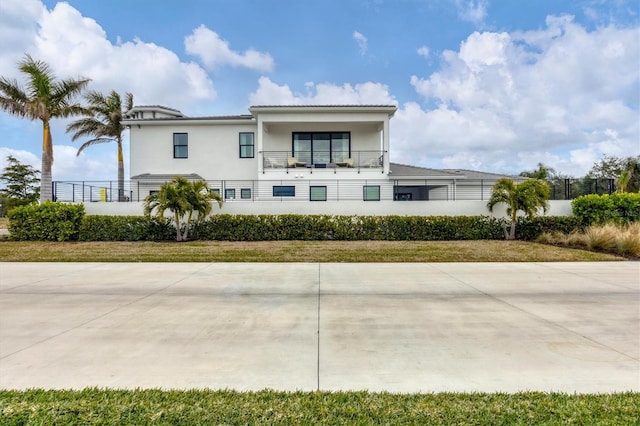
322 159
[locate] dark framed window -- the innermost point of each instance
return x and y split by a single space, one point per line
246 145
321 147
180 145
153 192
245 193
317 193
214 191
371 193
284 191
229 194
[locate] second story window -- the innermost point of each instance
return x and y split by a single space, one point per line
246 145
180 145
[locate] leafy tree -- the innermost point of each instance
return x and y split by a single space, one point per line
45 98
103 122
626 171
186 200
22 184
527 196
542 172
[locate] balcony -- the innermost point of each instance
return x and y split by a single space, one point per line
286 160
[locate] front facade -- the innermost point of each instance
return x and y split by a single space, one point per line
286 153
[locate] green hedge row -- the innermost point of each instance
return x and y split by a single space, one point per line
325 227
46 222
64 222
599 209
124 228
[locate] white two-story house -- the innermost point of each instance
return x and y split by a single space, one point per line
314 153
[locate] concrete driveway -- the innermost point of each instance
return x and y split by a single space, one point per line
571 327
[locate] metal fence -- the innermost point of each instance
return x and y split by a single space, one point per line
333 189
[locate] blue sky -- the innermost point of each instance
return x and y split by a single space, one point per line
495 85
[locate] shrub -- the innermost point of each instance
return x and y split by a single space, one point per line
602 237
531 229
46 222
600 209
125 228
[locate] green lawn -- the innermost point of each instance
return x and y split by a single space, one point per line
294 251
119 407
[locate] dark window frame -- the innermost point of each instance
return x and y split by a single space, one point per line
243 145
318 186
243 192
231 191
177 145
311 153
284 191
364 193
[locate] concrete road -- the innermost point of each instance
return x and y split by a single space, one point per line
572 327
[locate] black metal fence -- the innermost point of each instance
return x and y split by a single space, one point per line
336 190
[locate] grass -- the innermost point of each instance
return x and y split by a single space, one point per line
294 251
115 407
620 239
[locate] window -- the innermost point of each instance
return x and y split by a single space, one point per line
284 191
245 193
371 192
214 191
229 194
318 193
246 145
153 192
321 147
180 145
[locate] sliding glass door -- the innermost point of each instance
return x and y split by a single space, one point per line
321 147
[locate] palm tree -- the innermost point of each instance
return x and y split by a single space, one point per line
528 197
187 201
104 124
45 98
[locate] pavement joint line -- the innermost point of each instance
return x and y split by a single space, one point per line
538 317
318 330
152 293
92 265
553 267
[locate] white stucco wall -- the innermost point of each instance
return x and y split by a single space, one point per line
213 151
379 208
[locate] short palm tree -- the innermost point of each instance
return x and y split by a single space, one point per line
44 98
104 124
187 200
528 196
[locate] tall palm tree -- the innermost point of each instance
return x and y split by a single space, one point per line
185 199
104 124
44 98
528 197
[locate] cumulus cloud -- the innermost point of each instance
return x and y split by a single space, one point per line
214 52
423 51
562 91
362 42
270 93
472 10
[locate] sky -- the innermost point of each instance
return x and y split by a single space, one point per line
492 85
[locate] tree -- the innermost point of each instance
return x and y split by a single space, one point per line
186 200
22 184
542 172
104 124
626 171
527 196
45 98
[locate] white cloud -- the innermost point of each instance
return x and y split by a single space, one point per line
508 101
472 10
24 157
270 93
423 51
214 52
362 42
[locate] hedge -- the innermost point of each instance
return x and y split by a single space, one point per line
599 209
125 228
48 221
530 229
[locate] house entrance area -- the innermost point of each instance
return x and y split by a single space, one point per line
419 192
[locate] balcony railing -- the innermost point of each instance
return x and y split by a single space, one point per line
322 160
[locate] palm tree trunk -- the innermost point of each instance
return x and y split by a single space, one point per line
178 234
46 192
120 171
512 231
